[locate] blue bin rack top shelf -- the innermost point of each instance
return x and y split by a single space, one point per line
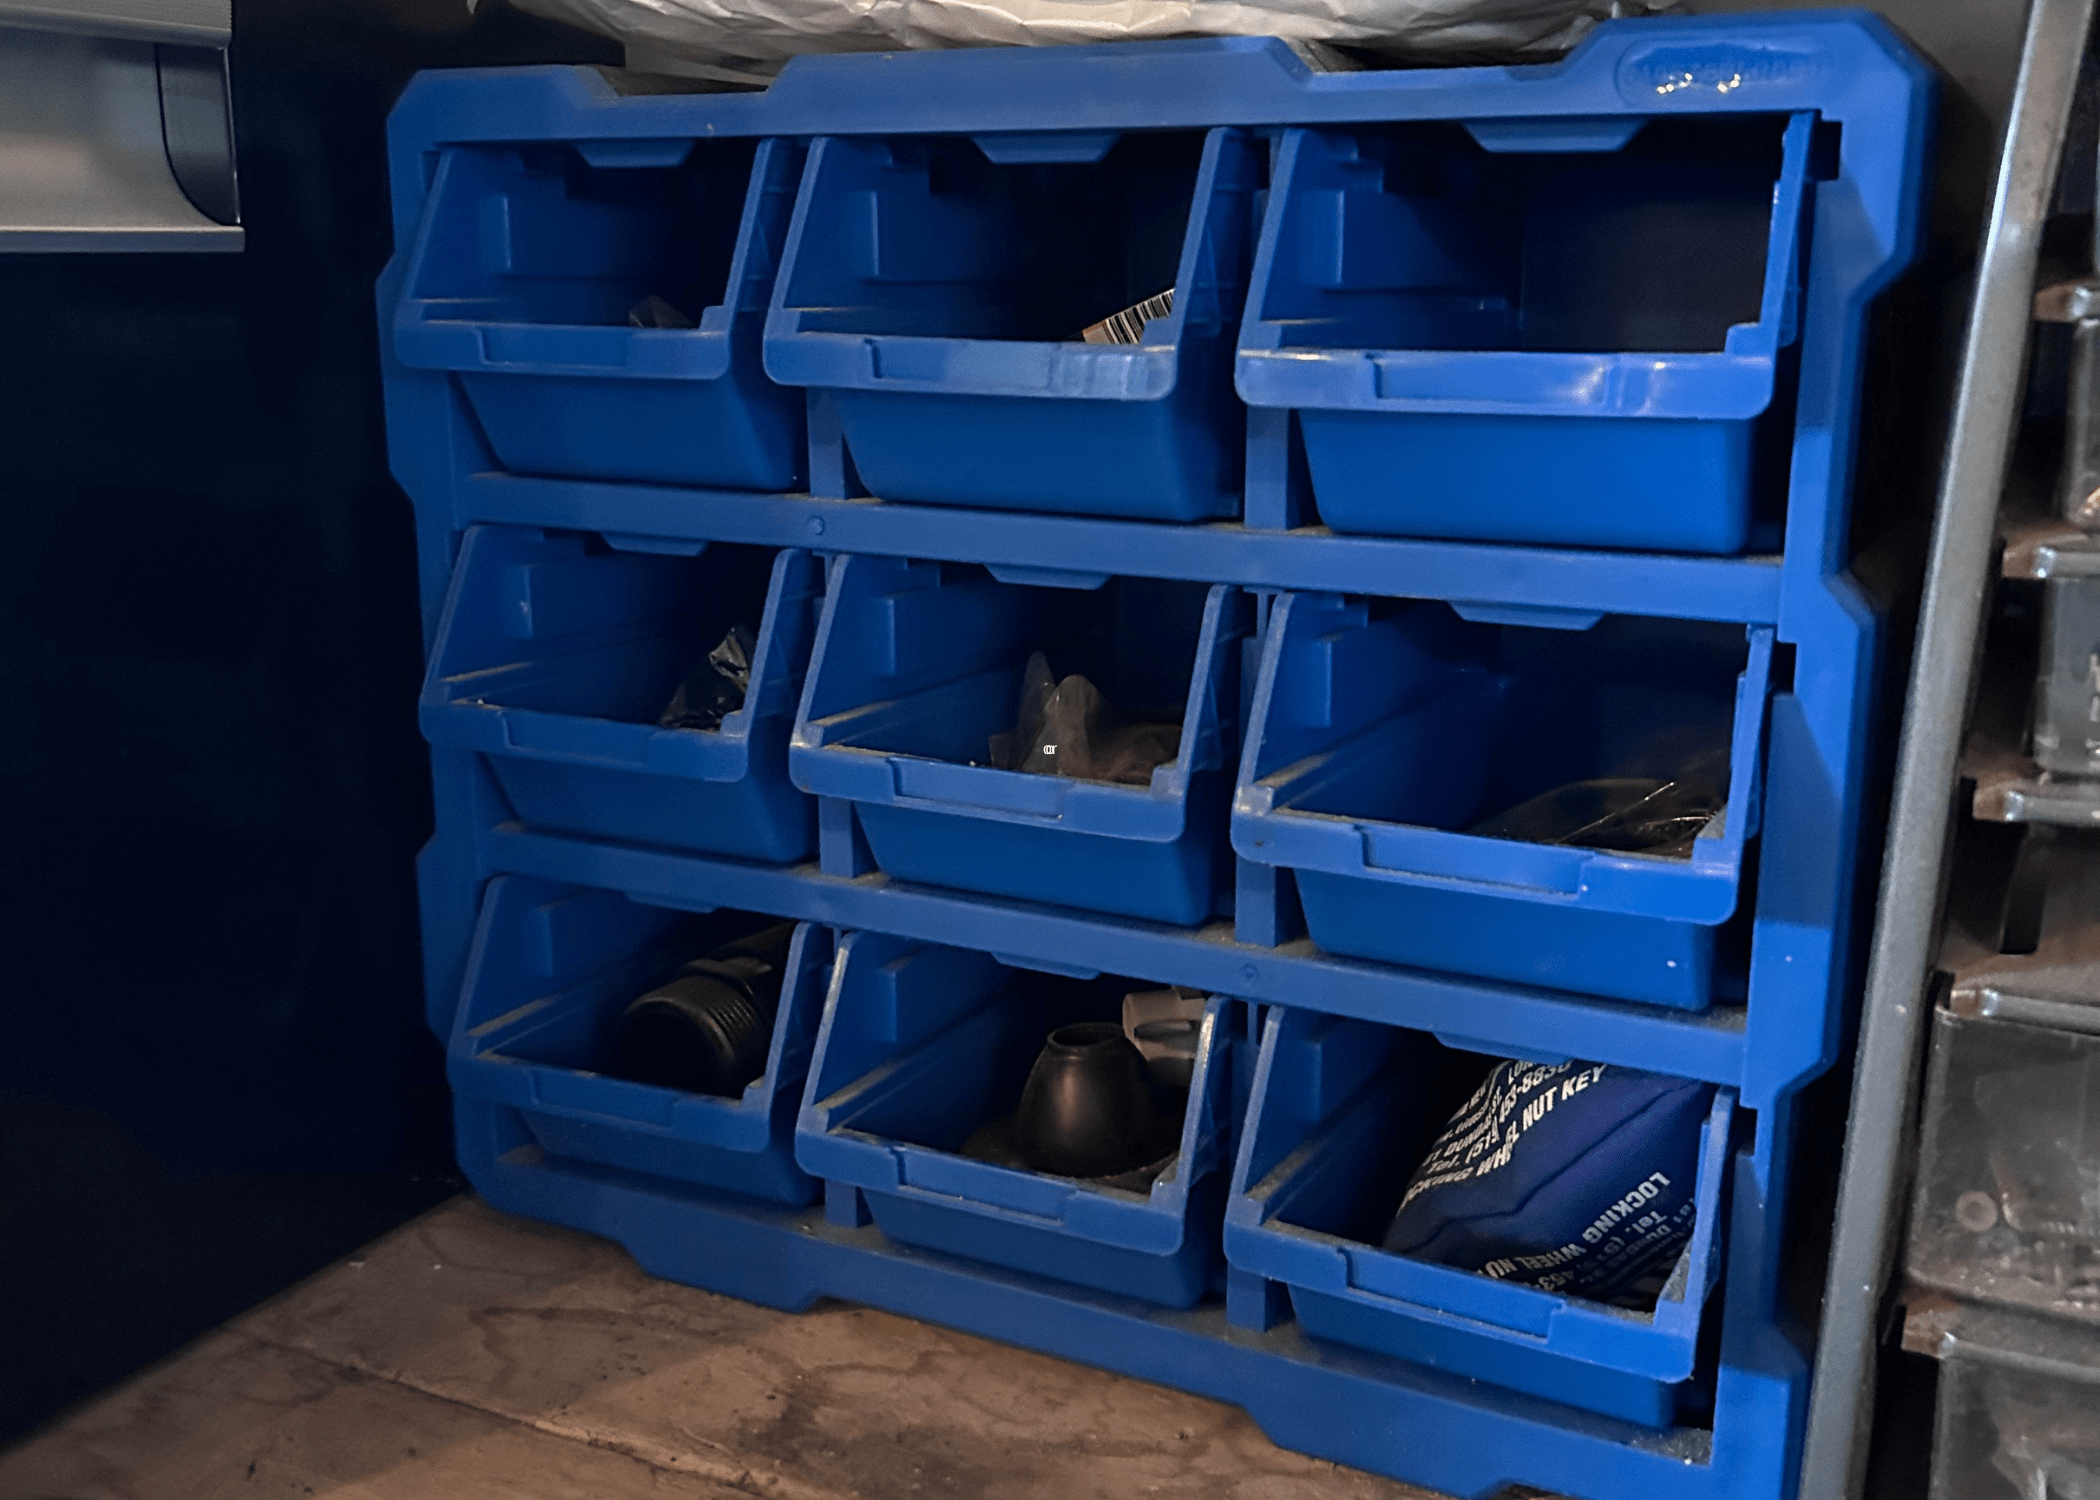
1868 97
1846 66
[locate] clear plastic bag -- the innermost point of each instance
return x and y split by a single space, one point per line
746 41
1067 728
2044 1148
2048 1443
654 312
1166 1026
1620 814
716 688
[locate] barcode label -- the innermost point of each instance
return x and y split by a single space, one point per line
1128 326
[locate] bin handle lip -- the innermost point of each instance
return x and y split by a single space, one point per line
1036 798
853 361
1153 352
905 1153
1616 384
724 1109
1719 870
1578 859
527 719
1716 875
974 1206
1061 814
1075 1189
424 342
1293 378
466 720
1555 1306
1065 785
979 1209
1557 871
645 737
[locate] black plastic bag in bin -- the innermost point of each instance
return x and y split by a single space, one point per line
716 688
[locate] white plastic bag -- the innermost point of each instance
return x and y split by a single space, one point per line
750 39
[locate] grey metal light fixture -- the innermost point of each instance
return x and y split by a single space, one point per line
116 126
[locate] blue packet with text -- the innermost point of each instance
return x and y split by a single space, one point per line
1574 1177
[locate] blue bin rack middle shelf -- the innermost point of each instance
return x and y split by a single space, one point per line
1373 274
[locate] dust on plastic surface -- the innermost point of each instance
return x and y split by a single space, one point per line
2017 1424
2008 1208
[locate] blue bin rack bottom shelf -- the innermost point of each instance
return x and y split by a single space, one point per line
1458 1436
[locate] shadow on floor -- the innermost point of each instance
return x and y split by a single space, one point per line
108 1262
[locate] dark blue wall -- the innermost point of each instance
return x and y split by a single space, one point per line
213 1072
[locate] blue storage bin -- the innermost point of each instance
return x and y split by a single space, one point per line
1342 1113
935 288
1383 729
918 664
530 259
551 970
1560 331
922 1046
555 655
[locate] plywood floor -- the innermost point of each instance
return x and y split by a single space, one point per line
473 1356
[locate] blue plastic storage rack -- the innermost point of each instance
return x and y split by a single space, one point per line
1502 417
